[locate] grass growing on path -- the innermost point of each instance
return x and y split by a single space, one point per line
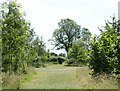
53 77
62 77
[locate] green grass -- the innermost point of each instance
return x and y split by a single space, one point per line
64 77
58 77
14 80
102 81
53 77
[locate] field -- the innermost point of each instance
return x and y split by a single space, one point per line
67 77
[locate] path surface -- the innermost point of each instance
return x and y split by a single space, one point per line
53 77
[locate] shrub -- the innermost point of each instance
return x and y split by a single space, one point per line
70 61
53 59
104 51
61 60
57 60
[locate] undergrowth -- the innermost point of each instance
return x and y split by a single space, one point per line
101 81
15 80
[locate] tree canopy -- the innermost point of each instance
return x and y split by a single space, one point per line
68 32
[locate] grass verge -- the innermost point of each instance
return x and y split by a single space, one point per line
101 81
14 80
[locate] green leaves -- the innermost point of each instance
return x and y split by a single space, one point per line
78 53
67 33
103 49
16 35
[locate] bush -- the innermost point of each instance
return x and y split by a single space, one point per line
57 60
104 51
70 61
78 53
53 59
61 60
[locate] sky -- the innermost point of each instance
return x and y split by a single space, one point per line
44 15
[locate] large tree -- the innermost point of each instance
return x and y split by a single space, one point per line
66 34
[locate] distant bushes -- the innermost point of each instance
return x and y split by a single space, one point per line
57 59
39 61
61 60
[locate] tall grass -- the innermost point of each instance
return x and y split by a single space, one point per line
101 81
10 82
63 76
15 80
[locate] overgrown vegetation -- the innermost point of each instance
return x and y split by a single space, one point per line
105 50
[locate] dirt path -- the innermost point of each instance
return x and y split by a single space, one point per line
53 77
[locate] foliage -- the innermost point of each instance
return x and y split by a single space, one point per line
104 50
67 33
53 54
57 60
15 33
78 53
85 37
19 48
39 46
62 54
61 59
14 81
70 61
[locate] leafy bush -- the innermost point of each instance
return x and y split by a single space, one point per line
57 60
70 61
78 53
61 60
104 50
53 59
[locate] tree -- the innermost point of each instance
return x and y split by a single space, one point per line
78 53
39 46
86 36
15 37
73 52
104 55
64 37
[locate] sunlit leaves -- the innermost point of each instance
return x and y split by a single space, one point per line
68 32
103 56
15 36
